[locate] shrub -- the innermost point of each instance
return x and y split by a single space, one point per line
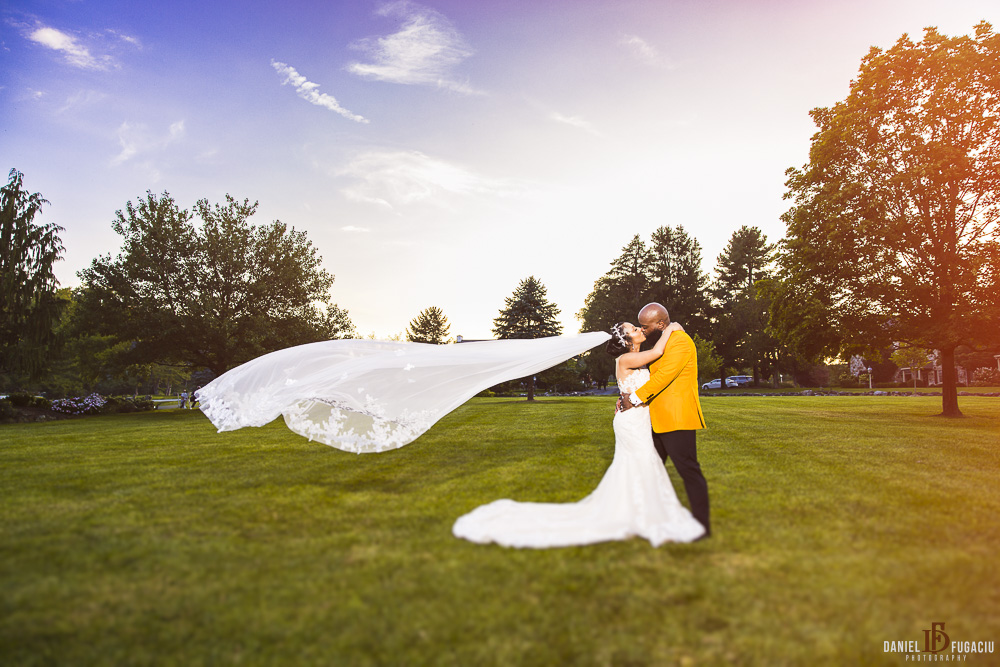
847 380
21 399
6 409
985 377
88 405
41 402
128 404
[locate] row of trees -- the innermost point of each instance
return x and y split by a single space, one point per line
188 291
893 242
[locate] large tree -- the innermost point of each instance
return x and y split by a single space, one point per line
212 295
528 313
893 234
430 326
740 334
29 307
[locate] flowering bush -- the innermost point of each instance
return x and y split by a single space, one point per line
986 377
88 405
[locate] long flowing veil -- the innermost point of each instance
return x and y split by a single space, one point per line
372 396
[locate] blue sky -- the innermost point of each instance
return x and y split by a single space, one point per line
436 153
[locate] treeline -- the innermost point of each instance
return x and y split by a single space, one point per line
189 296
892 251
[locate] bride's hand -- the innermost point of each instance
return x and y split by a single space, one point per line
673 326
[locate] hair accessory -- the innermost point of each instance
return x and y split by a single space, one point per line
619 334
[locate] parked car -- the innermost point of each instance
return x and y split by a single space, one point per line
741 380
715 384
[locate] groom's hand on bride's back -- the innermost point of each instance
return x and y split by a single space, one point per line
623 403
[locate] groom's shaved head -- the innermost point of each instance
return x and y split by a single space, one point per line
653 317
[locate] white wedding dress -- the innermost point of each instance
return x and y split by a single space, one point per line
635 498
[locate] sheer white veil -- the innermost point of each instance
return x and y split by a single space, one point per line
372 396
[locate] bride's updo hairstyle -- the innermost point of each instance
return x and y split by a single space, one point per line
620 342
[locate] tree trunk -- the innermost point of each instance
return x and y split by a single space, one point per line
949 386
531 388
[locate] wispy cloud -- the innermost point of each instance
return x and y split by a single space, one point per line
645 52
75 53
307 90
575 121
136 138
129 39
353 229
424 51
397 178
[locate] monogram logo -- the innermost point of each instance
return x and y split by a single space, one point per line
935 636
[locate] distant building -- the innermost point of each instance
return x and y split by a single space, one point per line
931 373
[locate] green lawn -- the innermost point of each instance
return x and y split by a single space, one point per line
840 523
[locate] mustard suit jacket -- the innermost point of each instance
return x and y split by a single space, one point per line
672 390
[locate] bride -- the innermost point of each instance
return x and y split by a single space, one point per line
635 497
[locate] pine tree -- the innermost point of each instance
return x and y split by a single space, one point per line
430 326
528 314
740 333
676 279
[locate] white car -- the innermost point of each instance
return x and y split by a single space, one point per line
715 384
741 380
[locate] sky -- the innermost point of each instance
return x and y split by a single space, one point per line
436 153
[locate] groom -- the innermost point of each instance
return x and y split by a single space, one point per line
674 409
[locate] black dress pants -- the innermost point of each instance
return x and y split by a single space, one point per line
680 447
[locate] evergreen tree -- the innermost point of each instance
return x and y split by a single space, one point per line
740 335
668 271
676 279
430 326
29 306
528 314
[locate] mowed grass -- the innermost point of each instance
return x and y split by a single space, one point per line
840 523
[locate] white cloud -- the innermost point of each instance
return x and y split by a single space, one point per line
575 121
307 90
352 228
135 138
398 178
76 54
134 41
644 52
424 51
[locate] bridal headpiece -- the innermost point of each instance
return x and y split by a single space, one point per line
618 333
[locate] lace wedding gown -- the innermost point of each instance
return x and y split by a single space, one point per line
635 498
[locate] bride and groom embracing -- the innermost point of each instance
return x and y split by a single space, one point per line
656 419
368 396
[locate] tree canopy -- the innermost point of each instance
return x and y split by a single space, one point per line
29 306
893 233
213 295
430 326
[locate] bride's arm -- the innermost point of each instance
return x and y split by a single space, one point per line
633 360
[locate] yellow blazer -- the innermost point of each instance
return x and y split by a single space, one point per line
672 390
